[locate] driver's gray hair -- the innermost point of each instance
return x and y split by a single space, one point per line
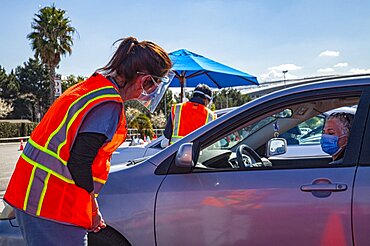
345 118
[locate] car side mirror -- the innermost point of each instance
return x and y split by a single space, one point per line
184 156
276 146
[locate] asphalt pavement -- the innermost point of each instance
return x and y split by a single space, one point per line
9 155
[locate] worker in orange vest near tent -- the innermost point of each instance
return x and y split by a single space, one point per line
189 116
66 160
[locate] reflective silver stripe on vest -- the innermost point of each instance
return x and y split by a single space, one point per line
46 160
35 192
60 135
176 120
97 187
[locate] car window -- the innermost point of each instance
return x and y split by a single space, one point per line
307 132
238 136
245 147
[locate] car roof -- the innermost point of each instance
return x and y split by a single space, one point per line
349 110
220 112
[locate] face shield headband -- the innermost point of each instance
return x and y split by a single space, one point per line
152 99
204 94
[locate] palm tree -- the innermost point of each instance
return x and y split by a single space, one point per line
52 37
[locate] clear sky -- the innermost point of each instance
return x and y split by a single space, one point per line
260 37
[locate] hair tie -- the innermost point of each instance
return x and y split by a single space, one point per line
130 48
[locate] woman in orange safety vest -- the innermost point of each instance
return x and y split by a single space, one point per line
66 160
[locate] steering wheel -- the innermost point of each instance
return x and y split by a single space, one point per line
246 156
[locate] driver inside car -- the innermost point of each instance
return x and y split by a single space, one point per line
335 135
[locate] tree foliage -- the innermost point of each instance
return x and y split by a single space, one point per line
143 124
9 86
165 104
159 120
5 108
70 81
230 97
136 105
51 38
131 114
32 101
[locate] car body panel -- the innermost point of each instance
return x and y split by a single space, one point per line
361 194
361 206
235 208
124 154
129 197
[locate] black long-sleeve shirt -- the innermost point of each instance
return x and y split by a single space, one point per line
83 153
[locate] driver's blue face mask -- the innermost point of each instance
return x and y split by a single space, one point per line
329 143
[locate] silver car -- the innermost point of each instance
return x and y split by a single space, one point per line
201 191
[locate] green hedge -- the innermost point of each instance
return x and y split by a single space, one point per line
16 129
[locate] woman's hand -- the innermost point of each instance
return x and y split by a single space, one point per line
97 219
97 222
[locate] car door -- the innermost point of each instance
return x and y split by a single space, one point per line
264 207
296 205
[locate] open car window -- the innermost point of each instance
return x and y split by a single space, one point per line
309 132
238 136
301 128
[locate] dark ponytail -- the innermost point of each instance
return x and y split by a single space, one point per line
133 56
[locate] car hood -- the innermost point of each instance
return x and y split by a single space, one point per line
129 164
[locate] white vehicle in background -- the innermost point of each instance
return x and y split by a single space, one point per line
304 130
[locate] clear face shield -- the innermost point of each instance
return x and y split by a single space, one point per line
154 90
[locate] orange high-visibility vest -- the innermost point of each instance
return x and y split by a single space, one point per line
187 117
41 184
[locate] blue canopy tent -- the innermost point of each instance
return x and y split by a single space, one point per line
192 69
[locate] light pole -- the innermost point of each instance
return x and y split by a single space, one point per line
284 72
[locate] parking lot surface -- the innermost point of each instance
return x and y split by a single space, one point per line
9 155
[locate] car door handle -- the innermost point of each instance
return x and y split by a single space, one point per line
324 187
